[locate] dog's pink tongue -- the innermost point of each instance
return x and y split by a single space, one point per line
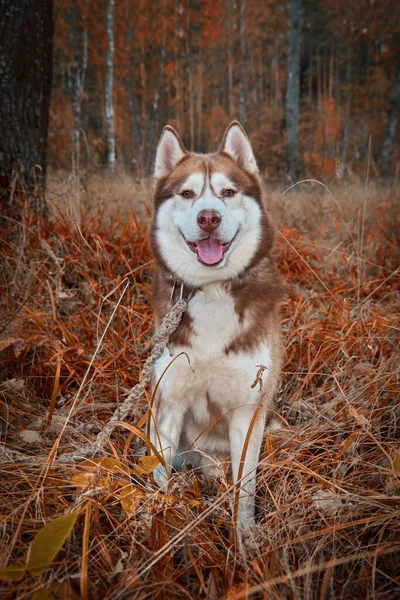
210 251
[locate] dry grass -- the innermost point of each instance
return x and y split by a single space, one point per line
328 487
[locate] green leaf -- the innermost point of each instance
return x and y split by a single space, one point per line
15 573
42 594
49 541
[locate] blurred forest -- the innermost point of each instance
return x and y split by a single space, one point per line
123 70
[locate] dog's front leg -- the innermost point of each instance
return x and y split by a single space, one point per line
166 428
239 430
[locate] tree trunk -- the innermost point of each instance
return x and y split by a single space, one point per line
110 126
331 80
293 87
189 76
26 54
134 108
346 127
154 112
230 60
243 91
386 157
199 101
319 80
76 81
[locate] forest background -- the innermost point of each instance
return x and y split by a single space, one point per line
121 72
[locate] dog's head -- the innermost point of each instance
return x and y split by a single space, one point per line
209 223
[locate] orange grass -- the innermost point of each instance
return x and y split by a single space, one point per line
328 485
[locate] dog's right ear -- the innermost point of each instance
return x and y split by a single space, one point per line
170 151
237 145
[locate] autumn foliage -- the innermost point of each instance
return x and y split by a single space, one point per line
188 63
76 320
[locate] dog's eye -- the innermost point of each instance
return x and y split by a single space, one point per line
228 193
187 194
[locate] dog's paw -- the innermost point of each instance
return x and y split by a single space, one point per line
215 472
250 538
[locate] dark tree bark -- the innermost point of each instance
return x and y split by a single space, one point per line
230 58
189 75
134 107
26 54
243 69
153 121
391 128
293 87
108 92
76 78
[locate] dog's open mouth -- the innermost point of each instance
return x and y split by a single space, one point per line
210 251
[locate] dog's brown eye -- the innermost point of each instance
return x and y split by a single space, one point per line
187 194
228 193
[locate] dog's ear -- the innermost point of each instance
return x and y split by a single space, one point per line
237 145
170 151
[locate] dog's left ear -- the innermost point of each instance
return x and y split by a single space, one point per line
237 145
170 151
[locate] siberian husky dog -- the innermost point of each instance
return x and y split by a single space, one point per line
212 238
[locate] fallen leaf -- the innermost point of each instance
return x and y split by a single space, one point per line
112 465
12 573
396 463
130 498
49 541
83 480
148 463
361 420
42 594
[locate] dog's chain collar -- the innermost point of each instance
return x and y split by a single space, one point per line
181 286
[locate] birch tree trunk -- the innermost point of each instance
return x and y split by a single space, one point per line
243 91
386 157
109 106
293 87
26 68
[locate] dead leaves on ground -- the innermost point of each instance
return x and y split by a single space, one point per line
328 484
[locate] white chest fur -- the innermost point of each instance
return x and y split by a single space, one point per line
204 369
215 322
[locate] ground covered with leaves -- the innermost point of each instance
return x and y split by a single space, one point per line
76 322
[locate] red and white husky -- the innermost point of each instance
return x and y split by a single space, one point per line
212 235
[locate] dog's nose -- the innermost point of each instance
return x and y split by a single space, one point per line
208 220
